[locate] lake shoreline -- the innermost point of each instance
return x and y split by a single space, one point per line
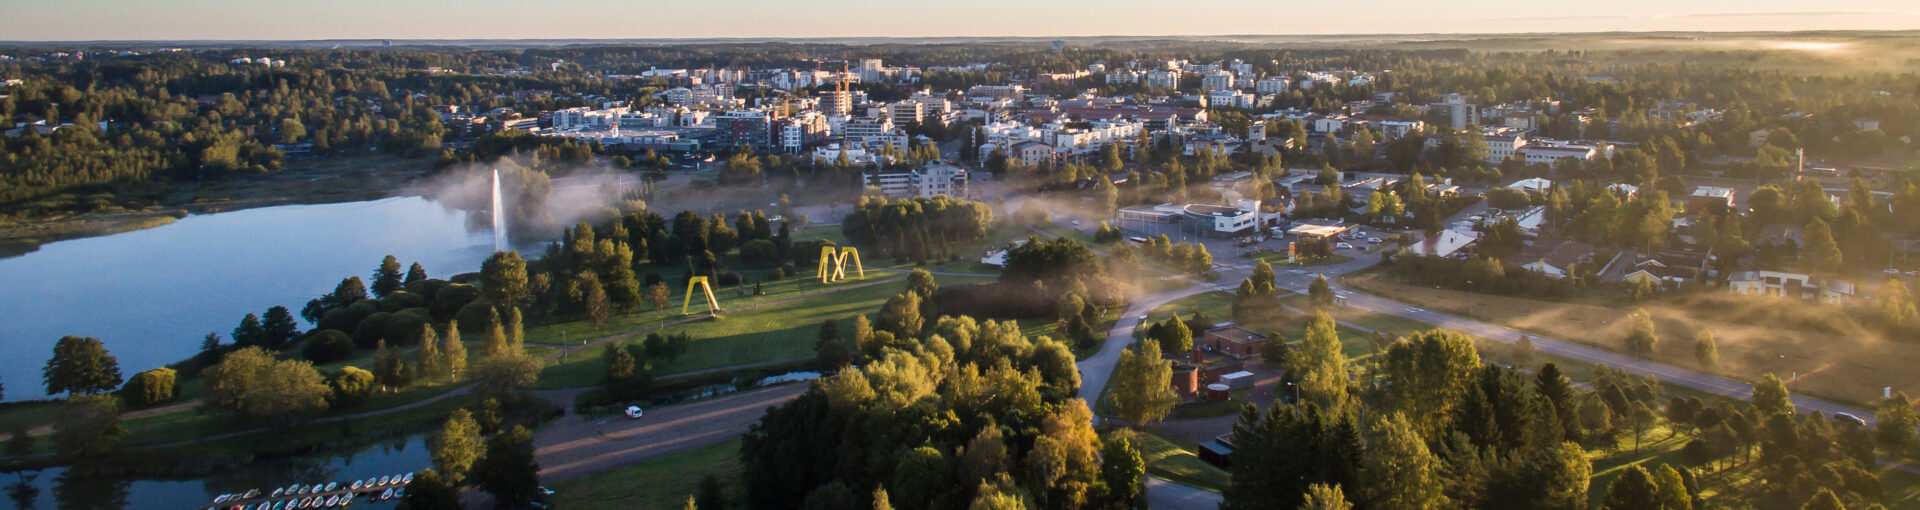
305 182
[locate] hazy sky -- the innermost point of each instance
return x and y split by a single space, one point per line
552 19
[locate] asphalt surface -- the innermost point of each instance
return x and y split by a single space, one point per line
577 445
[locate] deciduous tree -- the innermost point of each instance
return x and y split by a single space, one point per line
1142 388
81 366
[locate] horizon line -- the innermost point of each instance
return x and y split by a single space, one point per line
17 42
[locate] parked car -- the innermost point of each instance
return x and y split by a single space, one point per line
1374 240
635 412
1343 246
1851 418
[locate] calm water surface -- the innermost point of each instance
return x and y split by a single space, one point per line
151 295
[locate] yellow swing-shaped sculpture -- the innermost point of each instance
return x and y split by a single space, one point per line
833 267
713 305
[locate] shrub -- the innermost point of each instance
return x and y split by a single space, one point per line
328 346
450 300
350 385
151 387
474 319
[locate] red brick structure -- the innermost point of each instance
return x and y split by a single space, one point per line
1236 341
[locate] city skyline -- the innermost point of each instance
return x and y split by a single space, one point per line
757 19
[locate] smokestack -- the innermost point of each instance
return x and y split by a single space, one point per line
1197 359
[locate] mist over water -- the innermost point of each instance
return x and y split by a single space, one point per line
151 295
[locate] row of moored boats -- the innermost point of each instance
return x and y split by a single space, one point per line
300 496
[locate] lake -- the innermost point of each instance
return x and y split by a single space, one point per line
152 295
52 490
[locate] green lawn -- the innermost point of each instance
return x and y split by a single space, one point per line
774 333
662 483
1172 461
574 332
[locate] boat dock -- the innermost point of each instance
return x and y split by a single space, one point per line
267 501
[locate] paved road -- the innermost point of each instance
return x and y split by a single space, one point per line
1163 494
576 446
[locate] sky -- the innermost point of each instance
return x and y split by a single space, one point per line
73 20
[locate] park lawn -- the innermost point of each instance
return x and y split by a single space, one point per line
1170 461
574 332
27 414
1066 232
661 483
826 232
781 332
1218 305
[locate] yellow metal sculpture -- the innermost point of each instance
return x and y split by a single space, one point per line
713 305
833 267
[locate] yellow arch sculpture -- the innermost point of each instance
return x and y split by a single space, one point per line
833 267
713 305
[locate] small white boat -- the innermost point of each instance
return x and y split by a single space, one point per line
277 505
383 481
404 479
251 493
396 479
386 495
354 486
333 501
399 491
331 486
277 492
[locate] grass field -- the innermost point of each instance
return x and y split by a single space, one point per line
1168 460
1819 349
662 483
773 333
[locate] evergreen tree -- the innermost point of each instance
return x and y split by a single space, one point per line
415 273
387 278
249 332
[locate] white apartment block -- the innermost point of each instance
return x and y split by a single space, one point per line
1501 146
1163 79
1217 80
905 112
926 182
1271 85
1551 152
1230 98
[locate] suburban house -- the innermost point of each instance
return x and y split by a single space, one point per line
1444 243
1669 269
1831 291
1553 257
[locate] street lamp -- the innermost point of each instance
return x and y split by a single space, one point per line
1296 392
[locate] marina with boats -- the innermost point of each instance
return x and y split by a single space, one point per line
327 495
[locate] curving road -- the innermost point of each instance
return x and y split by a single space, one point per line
576 446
